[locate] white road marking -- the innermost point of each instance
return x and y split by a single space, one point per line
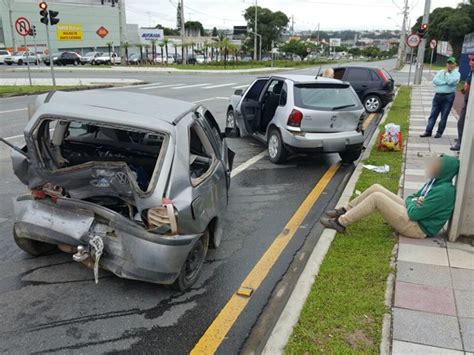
14 137
218 86
133 86
240 86
161 87
210 99
190 86
17 110
248 163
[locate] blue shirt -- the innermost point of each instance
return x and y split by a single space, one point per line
446 82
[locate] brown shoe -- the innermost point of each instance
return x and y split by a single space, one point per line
336 213
332 224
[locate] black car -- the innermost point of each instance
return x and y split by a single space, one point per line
65 58
374 86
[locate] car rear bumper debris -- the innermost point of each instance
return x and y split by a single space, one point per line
130 251
323 142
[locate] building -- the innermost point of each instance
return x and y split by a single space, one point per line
84 25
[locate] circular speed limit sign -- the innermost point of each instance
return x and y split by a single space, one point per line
433 44
413 40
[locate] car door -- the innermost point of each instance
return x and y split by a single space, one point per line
360 80
249 108
207 175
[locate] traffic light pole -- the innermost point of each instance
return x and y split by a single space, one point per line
51 64
27 60
420 57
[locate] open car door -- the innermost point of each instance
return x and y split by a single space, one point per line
249 108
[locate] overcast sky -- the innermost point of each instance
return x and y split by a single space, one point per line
331 14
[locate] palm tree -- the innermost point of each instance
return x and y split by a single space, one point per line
175 46
192 48
161 44
140 46
125 46
166 41
153 49
147 47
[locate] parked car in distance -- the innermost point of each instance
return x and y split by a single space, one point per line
299 113
64 58
3 54
22 57
374 86
134 59
107 58
89 57
142 192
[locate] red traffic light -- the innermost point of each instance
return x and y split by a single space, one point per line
424 26
43 5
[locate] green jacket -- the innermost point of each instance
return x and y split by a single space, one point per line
439 196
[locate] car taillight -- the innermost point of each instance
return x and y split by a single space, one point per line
163 219
295 118
382 75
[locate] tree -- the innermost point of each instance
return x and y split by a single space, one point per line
298 48
153 50
140 46
214 32
126 46
194 28
450 24
166 42
168 31
161 44
371 52
178 17
271 25
355 51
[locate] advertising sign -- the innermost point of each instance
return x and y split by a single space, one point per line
69 32
149 34
335 42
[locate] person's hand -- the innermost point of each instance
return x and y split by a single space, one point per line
466 87
420 200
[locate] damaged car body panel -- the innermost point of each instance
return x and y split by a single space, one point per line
142 178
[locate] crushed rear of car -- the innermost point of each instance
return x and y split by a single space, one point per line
135 184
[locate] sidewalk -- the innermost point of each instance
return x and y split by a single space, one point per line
433 307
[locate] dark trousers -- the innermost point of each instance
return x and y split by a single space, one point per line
442 104
462 118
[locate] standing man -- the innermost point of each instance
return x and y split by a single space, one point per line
445 83
462 116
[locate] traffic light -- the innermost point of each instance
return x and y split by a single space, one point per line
422 30
53 17
33 31
44 12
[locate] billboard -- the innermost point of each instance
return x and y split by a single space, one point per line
335 42
69 32
147 35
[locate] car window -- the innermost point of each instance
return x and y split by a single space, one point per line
215 129
339 73
358 74
325 97
3 53
201 155
256 89
374 76
284 95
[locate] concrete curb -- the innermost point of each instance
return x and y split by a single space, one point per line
289 317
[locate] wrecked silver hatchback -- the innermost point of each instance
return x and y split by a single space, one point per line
135 184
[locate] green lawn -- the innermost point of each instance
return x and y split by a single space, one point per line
344 311
10 90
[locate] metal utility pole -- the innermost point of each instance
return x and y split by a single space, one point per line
183 33
10 19
50 54
255 55
122 21
421 48
402 46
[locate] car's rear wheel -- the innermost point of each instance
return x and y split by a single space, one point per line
276 149
33 247
373 103
20 62
192 267
76 63
350 156
230 122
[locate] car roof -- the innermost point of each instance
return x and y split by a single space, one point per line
306 79
355 66
150 107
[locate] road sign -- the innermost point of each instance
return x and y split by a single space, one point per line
413 40
102 32
433 44
22 26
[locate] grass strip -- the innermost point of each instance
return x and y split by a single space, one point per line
344 311
16 90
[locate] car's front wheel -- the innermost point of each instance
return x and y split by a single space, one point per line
33 247
231 123
372 103
76 63
276 149
20 62
350 156
192 267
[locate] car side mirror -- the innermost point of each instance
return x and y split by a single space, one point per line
230 133
238 92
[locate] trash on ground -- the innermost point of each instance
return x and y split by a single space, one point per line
391 139
378 169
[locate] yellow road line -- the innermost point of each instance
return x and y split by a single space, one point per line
215 334
368 120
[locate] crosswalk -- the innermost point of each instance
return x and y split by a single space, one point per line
203 86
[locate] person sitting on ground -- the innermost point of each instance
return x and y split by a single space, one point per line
328 73
422 214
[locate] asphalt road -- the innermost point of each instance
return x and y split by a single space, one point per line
50 304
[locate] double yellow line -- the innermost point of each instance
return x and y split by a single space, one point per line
215 334
368 120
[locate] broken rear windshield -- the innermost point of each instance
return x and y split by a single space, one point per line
325 97
67 144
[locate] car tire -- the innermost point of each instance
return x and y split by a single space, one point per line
9 63
76 63
33 247
20 62
230 122
372 103
192 267
350 156
276 149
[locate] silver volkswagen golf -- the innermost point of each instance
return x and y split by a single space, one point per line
135 184
299 113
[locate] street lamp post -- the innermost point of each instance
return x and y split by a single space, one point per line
402 45
420 57
255 57
183 33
